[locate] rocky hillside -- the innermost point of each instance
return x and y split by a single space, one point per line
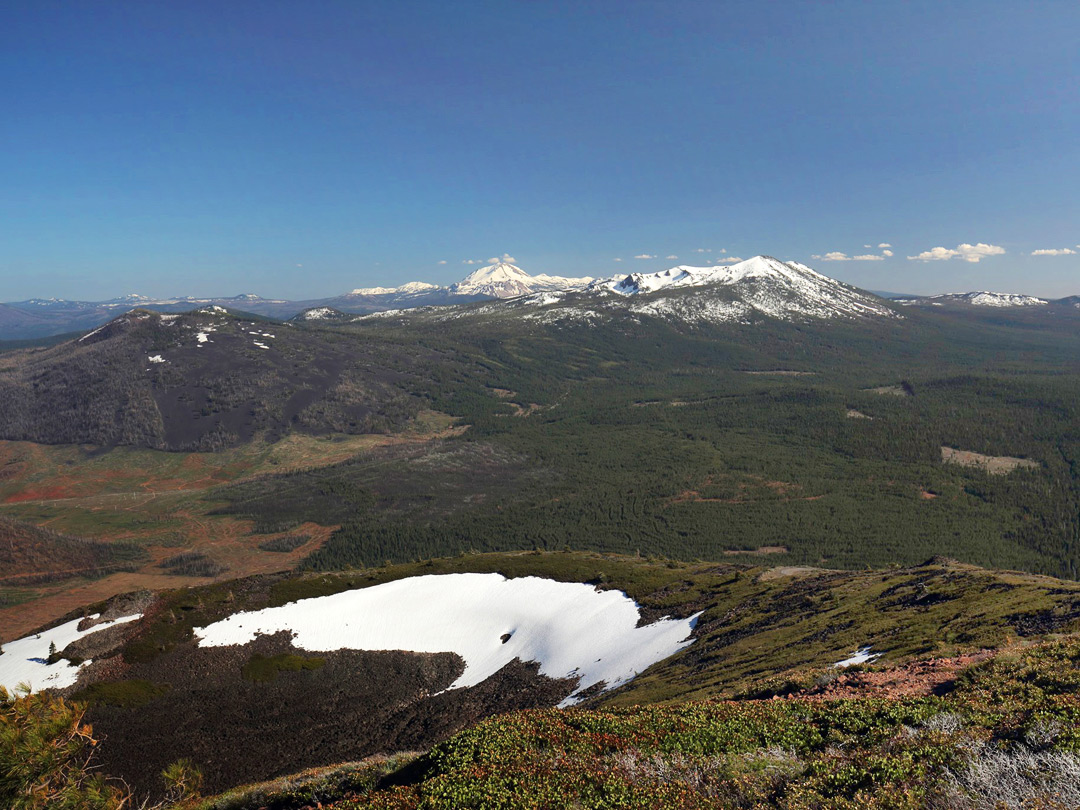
201 381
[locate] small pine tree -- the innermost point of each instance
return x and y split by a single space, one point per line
45 751
53 654
183 781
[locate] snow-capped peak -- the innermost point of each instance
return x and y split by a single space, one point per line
740 292
505 280
758 268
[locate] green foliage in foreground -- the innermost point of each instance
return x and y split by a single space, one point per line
1006 737
45 751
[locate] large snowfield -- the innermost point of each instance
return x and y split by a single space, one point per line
572 630
25 660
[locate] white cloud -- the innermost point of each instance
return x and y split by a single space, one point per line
1054 252
506 257
472 261
884 245
729 260
972 253
886 252
706 250
644 256
936 254
723 250
867 246
616 260
672 256
837 256
442 262
964 252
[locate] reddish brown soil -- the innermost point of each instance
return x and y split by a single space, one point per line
51 493
919 678
227 540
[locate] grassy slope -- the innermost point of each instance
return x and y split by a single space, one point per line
1007 733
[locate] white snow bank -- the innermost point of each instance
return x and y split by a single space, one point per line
91 334
861 656
571 629
24 660
156 358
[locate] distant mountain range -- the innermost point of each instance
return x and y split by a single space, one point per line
761 285
978 299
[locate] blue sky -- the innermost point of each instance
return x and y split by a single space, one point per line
300 149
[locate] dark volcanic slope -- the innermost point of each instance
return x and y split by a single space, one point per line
242 726
203 381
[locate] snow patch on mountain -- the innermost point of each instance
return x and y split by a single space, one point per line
26 660
860 656
571 629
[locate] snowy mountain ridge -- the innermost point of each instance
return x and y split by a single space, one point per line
981 298
758 286
409 288
741 293
497 280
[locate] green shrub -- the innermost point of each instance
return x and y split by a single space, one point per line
127 694
284 544
263 669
